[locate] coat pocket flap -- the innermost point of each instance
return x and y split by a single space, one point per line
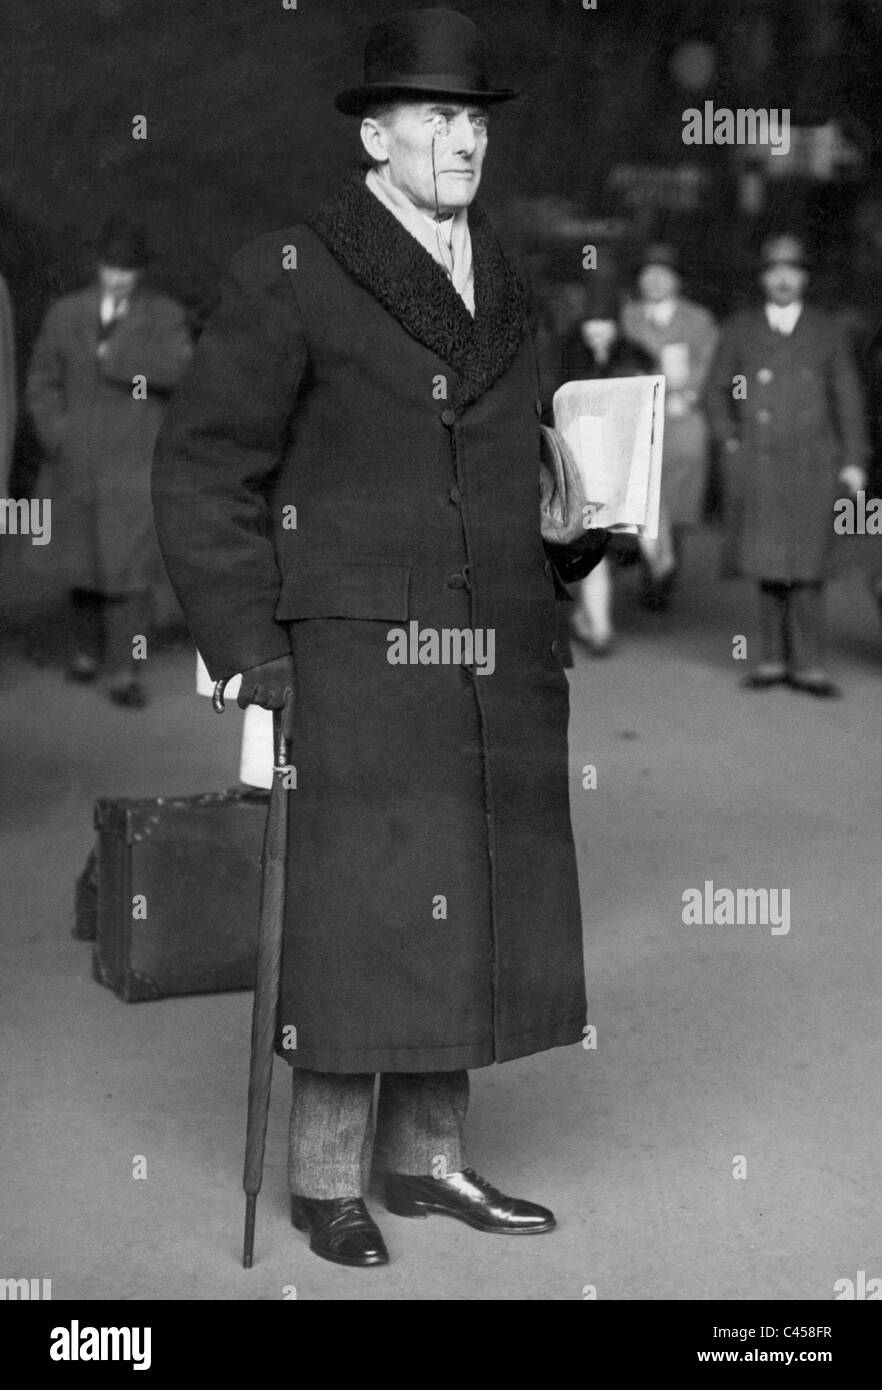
373 589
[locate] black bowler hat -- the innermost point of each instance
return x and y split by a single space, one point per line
123 243
421 53
661 253
783 249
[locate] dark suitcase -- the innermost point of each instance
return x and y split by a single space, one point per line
178 893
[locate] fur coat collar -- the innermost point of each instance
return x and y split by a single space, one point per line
376 250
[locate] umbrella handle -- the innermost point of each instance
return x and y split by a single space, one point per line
281 744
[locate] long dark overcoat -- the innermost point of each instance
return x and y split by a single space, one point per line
433 916
799 418
98 434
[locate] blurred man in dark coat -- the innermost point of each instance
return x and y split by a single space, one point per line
787 408
371 367
98 384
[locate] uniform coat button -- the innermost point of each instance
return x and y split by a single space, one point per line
547 566
455 495
456 581
448 418
763 417
554 647
538 405
764 376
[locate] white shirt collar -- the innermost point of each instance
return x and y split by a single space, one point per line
113 307
661 312
784 317
449 243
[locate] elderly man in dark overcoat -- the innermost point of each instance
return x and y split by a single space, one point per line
347 498
787 409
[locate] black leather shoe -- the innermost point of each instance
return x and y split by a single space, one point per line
130 695
762 677
340 1229
595 646
82 669
656 594
469 1198
820 686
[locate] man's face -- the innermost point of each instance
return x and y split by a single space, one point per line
657 283
784 282
116 280
430 150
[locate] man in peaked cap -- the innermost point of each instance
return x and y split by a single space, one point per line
386 388
787 409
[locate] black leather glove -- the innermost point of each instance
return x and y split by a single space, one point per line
272 686
573 562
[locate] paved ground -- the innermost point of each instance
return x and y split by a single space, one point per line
712 1041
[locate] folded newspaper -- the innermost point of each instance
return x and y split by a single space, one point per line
614 430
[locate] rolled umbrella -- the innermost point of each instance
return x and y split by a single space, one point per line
264 1017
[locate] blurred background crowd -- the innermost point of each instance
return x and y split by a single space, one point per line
143 144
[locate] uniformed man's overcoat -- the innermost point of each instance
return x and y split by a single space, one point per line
795 406
433 917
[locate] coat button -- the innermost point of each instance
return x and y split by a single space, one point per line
539 409
764 376
456 581
455 495
448 418
763 417
547 566
555 647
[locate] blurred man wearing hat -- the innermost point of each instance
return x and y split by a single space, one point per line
103 365
682 338
787 408
386 387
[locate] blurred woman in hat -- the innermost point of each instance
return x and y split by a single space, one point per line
105 360
682 338
596 346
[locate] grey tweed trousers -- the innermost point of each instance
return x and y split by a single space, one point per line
335 1142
